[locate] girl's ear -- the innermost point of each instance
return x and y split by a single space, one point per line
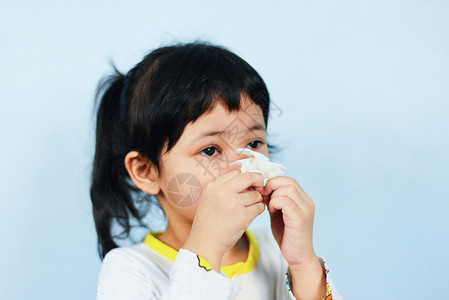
142 172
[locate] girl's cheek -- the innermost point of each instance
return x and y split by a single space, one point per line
210 168
184 187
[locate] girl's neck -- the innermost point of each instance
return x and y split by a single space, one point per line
177 238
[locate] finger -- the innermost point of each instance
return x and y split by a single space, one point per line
278 181
229 175
246 180
273 184
284 204
254 210
249 198
292 192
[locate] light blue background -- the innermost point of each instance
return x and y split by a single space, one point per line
363 87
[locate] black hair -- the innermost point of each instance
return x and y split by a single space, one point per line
148 109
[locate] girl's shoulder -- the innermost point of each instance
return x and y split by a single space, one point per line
139 255
132 265
132 269
126 253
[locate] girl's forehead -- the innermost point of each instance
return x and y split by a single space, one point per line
221 121
220 117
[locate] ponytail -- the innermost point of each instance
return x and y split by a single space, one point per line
111 190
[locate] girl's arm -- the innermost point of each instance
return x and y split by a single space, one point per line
309 281
291 213
331 291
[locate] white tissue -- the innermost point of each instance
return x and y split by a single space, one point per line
259 164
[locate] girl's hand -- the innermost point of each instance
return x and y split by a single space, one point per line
225 210
291 213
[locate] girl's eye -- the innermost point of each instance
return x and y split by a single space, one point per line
209 151
255 144
213 151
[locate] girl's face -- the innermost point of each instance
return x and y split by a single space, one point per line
204 152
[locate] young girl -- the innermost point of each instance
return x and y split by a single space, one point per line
169 128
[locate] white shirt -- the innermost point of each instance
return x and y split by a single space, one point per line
154 270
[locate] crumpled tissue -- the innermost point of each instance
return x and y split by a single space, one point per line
259 164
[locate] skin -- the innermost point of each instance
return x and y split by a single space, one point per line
214 225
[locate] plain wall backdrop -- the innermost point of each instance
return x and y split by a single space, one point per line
363 125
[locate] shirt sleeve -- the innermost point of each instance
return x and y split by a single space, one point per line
190 277
331 291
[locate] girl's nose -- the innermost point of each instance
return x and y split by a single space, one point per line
233 156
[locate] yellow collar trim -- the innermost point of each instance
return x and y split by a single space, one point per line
230 270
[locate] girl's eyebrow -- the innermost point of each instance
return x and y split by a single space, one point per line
206 134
